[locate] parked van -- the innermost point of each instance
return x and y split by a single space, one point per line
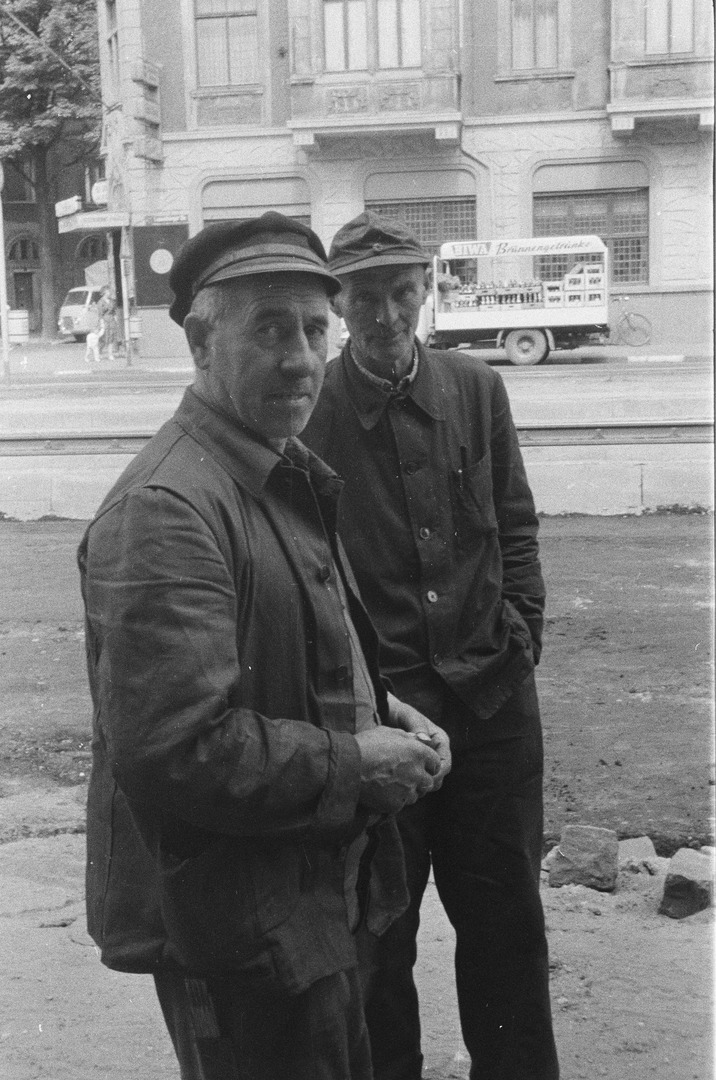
78 314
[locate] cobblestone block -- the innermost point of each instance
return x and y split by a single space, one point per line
586 855
689 884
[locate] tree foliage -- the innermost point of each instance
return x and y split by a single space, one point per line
43 103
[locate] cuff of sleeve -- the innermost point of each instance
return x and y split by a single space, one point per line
339 802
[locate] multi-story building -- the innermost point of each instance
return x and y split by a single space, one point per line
469 118
24 237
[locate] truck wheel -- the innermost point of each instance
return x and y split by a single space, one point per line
526 347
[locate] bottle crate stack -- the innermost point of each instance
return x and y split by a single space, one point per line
583 286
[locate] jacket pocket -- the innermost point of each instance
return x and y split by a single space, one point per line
471 495
219 906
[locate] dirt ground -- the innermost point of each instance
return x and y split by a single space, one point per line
626 691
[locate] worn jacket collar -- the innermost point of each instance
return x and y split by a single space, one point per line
245 458
370 399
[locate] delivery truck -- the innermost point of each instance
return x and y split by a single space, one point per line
529 296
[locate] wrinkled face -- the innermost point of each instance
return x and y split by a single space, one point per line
261 353
381 308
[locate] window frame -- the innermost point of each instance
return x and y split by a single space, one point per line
112 45
388 207
21 262
24 171
255 14
612 237
372 51
671 22
506 69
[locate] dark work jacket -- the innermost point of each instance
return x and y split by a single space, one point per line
225 779
439 524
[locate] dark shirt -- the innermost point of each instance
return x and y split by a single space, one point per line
439 523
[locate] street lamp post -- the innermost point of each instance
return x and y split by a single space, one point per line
4 332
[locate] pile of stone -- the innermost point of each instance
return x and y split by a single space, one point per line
590 856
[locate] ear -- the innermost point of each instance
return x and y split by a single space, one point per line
335 302
197 332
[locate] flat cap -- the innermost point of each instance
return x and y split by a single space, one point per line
373 240
269 244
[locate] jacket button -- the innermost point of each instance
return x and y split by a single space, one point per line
424 533
323 573
432 597
411 467
437 659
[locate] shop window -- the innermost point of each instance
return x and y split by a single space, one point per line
433 221
619 218
227 42
670 26
368 34
534 26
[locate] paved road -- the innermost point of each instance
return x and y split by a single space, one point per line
553 395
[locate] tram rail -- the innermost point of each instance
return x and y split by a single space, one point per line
610 432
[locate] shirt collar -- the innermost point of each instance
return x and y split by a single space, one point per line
246 458
392 389
371 395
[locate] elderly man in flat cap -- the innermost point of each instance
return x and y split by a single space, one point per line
440 528
247 757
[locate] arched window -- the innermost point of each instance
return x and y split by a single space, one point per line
24 252
91 250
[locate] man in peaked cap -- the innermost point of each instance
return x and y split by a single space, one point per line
440 528
247 758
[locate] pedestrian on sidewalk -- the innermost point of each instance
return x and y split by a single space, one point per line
247 758
440 528
92 345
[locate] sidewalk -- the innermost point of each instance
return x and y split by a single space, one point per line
40 361
62 360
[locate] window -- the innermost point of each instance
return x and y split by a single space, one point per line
91 249
19 183
398 31
394 24
227 42
669 26
434 222
345 31
24 251
93 173
112 48
535 34
619 218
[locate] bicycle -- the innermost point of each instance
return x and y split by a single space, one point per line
631 328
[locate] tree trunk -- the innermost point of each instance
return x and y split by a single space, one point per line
49 243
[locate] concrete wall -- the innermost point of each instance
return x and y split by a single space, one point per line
565 480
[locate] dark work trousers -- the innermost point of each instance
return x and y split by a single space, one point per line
483 834
219 1034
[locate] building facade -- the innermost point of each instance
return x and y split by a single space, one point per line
468 118
24 237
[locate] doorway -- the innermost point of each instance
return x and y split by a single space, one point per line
24 288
